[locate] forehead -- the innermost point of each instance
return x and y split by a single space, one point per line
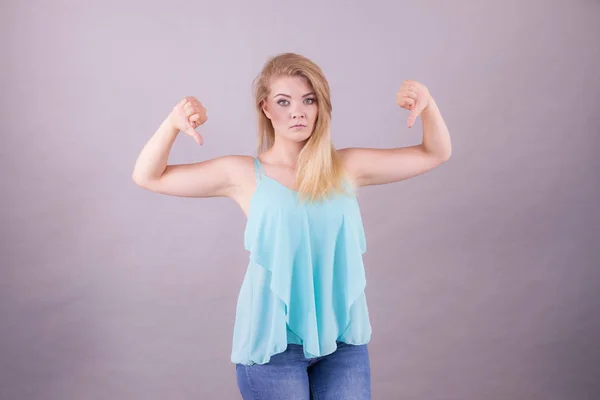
291 85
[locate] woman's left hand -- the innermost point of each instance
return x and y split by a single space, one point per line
415 97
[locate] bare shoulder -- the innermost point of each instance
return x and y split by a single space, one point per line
237 164
240 170
348 155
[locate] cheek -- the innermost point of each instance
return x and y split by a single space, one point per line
277 115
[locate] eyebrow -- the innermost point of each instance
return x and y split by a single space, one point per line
285 95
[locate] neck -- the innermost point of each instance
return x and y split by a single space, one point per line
285 152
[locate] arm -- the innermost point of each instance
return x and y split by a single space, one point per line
210 178
369 166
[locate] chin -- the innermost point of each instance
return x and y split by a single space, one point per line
298 136
298 139
302 137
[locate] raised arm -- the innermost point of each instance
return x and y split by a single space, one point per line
210 178
369 166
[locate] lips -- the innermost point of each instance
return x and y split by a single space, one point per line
299 126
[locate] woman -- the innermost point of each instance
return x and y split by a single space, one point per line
302 324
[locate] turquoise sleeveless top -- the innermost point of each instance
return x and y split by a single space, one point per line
305 280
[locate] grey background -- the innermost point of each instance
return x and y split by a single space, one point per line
483 275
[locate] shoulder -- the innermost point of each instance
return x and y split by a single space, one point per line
237 162
239 167
349 157
348 153
242 175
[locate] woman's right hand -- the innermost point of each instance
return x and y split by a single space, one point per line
187 115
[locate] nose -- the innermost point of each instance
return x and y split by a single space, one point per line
298 116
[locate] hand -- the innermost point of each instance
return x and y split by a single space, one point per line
413 96
187 115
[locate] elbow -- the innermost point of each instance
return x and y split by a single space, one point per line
440 158
135 178
142 182
446 156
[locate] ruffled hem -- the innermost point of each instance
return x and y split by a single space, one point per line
257 346
238 355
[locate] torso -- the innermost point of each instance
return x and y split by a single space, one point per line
305 270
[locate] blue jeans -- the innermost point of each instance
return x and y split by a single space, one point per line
342 375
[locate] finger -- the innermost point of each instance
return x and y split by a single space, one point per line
198 119
181 103
199 139
408 93
418 108
406 102
411 120
194 110
195 120
195 135
413 116
190 99
193 104
408 85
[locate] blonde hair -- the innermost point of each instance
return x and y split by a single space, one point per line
319 169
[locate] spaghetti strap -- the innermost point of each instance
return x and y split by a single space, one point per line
258 169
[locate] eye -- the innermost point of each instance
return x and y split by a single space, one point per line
311 99
279 102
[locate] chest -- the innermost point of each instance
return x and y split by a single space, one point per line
277 210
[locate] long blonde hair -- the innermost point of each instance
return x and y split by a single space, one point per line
319 169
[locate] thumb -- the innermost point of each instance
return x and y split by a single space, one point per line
416 110
195 135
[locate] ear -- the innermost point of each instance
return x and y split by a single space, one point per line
265 110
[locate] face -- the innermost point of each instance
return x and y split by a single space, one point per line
292 108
